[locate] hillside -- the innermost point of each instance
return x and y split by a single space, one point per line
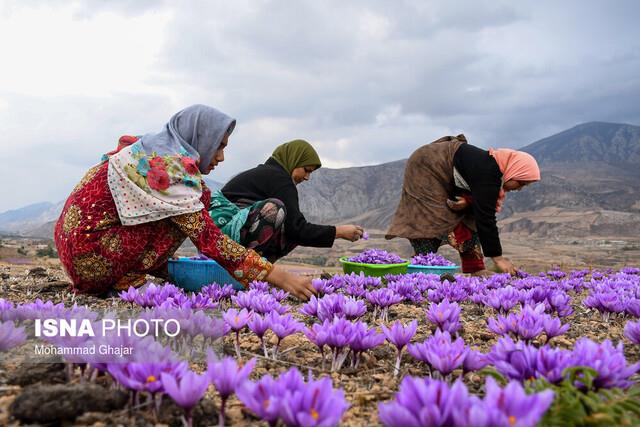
591 166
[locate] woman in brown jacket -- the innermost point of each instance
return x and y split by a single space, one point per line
452 192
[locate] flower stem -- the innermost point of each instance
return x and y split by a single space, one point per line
223 402
275 350
237 345
187 419
396 368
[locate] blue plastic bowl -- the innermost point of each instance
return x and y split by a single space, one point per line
432 269
193 274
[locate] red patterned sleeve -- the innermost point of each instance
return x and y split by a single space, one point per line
244 265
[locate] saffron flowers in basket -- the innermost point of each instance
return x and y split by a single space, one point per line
376 256
431 259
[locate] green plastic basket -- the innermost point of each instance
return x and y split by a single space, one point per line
376 270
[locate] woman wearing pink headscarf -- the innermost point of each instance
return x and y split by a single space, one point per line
452 192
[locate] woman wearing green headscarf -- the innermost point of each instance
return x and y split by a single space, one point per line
259 208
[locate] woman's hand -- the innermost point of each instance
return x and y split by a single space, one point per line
349 232
504 265
457 205
298 286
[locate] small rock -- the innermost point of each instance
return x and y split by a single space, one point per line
447 277
54 285
37 272
48 403
204 414
46 373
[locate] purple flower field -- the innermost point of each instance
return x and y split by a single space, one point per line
408 350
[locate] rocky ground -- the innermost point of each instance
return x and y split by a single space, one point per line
40 394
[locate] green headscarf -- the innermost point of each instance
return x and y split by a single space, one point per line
296 154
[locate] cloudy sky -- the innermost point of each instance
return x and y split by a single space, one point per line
365 81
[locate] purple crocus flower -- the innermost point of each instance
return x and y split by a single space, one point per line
244 299
146 376
512 406
632 308
186 392
502 299
260 286
316 403
445 316
259 302
631 331
330 306
130 295
319 335
537 295
10 336
365 235
382 299
7 310
340 333
608 361
474 361
259 326
358 279
353 308
310 308
515 360
502 325
424 402
530 322
290 399
527 324
407 290
561 303
556 274
553 327
551 362
323 287
447 290
263 397
282 326
605 302
364 339
199 301
237 320
399 335
440 352
218 293
279 294
226 375
355 290
630 270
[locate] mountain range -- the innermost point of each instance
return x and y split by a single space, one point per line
590 167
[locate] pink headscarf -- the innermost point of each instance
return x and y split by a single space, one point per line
516 165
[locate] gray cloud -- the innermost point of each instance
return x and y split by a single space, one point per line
365 81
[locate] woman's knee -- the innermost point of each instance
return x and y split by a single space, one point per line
274 203
275 211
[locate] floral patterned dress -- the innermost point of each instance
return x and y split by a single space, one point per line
99 253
